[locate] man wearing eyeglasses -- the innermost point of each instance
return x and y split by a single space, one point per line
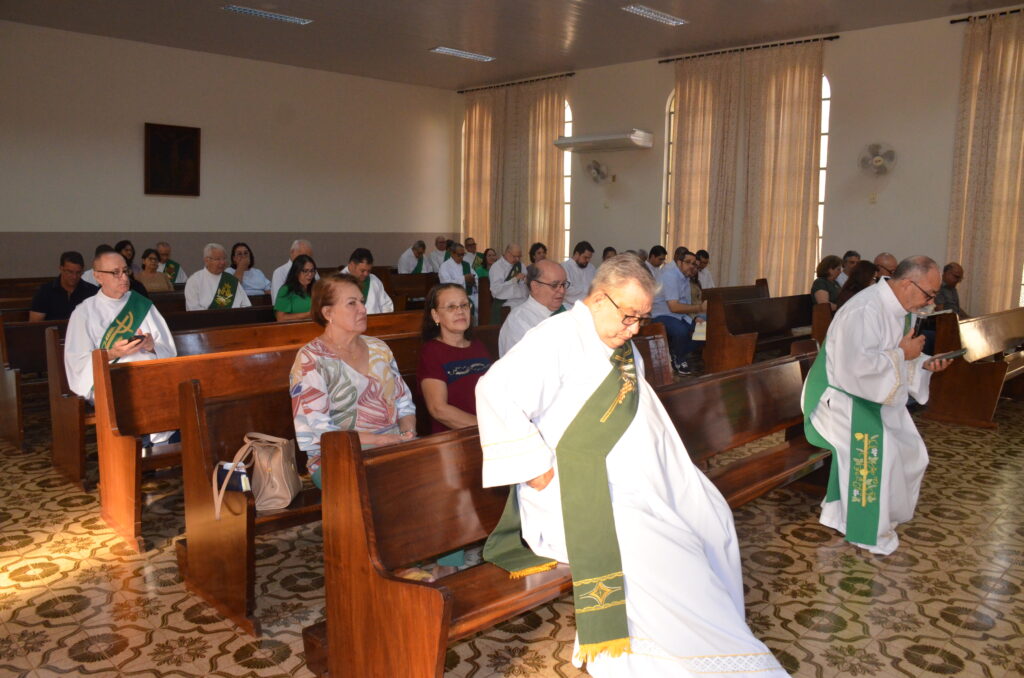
376 300
212 287
855 404
547 284
125 323
56 299
674 309
458 271
508 281
886 264
601 480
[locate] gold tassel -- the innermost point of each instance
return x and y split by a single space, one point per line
519 574
614 648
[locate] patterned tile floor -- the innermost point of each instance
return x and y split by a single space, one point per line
74 601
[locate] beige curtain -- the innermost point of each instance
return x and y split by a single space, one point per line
512 171
987 205
782 109
702 192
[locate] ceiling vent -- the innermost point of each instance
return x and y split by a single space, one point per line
621 141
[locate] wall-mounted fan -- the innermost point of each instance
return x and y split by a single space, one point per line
877 159
598 173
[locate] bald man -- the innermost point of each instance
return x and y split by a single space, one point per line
547 284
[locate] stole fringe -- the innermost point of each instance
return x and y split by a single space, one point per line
614 648
519 574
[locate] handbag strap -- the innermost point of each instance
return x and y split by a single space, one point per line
253 437
218 493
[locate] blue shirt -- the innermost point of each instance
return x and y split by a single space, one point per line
674 286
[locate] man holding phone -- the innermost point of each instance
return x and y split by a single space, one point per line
855 401
117 319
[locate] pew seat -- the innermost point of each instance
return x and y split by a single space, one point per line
738 330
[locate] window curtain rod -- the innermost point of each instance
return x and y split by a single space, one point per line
986 16
517 82
746 49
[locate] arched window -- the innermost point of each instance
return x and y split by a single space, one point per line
567 180
826 101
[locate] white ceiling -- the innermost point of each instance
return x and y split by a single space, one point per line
390 39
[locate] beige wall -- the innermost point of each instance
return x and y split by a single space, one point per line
284 150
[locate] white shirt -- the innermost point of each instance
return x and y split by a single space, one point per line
579 281
89 322
202 285
656 272
180 278
705 279
90 277
254 282
842 278
432 262
521 320
512 291
377 300
407 263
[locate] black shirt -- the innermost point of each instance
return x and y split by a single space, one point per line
56 303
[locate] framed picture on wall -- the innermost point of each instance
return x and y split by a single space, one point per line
172 160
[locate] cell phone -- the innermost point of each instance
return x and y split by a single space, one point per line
918 322
947 356
136 339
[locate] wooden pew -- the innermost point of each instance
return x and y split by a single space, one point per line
410 286
759 290
72 415
22 351
22 287
738 329
821 319
652 345
968 391
720 412
393 506
483 311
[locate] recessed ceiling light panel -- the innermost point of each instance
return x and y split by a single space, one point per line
654 15
472 56
273 16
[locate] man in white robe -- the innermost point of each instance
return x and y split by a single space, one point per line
546 281
579 272
412 259
91 320
438 256
204 285
359 266
452 271
163 250
281 272
680 564
703 272
508 279
871 360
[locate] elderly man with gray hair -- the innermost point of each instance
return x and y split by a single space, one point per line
281 272
211 286
600 480
412 260
855 404
547 284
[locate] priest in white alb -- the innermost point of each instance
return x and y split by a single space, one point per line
600 480
376 300
438 256
546 282
412 260
855 403
508 282
168 266
212 287
457 270
125 323
579 272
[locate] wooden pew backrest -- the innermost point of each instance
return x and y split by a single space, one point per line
768 317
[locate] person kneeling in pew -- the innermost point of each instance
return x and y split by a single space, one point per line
344 381
601 480
125 323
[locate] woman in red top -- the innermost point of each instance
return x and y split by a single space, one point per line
451 361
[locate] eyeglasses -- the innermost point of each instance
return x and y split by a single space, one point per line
452 308
120 273
555 285
628 320
927 296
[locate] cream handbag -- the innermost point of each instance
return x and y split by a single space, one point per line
271 472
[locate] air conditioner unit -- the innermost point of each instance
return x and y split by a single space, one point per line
621 141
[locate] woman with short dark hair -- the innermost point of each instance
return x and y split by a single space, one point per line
825 289
243 267
538 251
127 250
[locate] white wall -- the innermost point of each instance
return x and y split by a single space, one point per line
283 148
897 84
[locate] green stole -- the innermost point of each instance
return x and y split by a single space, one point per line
478 260
467 270
366 289
866 447
419 265
561 309
224 297
171 269
598 586
516 269
498 304
447 256
127 322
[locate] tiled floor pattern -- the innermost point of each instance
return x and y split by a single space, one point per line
74 601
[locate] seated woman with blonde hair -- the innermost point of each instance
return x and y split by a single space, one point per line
345 381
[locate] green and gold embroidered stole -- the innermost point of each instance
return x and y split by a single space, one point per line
366 289
516 269
224 297
419 265
468 270
866 448
171 269
598 586
478 260
127 322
